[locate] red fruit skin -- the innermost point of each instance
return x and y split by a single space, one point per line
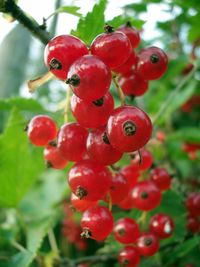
98 221
129 257
116 133
144 246
193 203
95 78
66 49
101 151
161 178
193 224
133 84
131 174
41 130
162 225
90 115
94 178
81 204
145 196
132 34
53 158
126 203
119 188
128 65
148 69
112 48
72 141
146 161
126 231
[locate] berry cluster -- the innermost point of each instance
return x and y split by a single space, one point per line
102 134
192 204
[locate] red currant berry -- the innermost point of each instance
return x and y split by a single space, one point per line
97 223
113 48
193 203
126 203
129 257
128 65
131 174
119 188
126 231
193 224
72 149
145 196
92 114
131 33
81 204
145 162
162 225
61 52
129 128
152 63
133 84
99 148
41 130
89 180
148 244
89 78
161 178
53 158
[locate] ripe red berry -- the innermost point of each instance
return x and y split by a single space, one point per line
131 33
113 48
133 84
53 158
89 180
131 174
145 196
148 244
126 231
129 128
145 162
162 225
126 203
152 63
41 129
161 178
89 78
193 224
99 148
97 223
129 257
61 52
119 188
128 65
81 204
92 114
72 141
193 203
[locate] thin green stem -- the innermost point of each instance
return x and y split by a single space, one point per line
119 90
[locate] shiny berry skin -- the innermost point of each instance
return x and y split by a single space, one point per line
128 65
152 63
162 225
133 84
131 174
129 257
41 130
146 160
193 203
61 52
53 158
89 180
119 188
113 48
81 204
193 224
161 178
148 244
126 203
126 231
131 33
92 114
97 223
99 148
89 78
129 128
72 141
145 196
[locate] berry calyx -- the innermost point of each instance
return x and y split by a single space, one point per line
131 33
53 158
81 204
148 244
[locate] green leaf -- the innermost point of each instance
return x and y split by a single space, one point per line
92 24
185 134
20 162
73 10
21 104
121 20
138 7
